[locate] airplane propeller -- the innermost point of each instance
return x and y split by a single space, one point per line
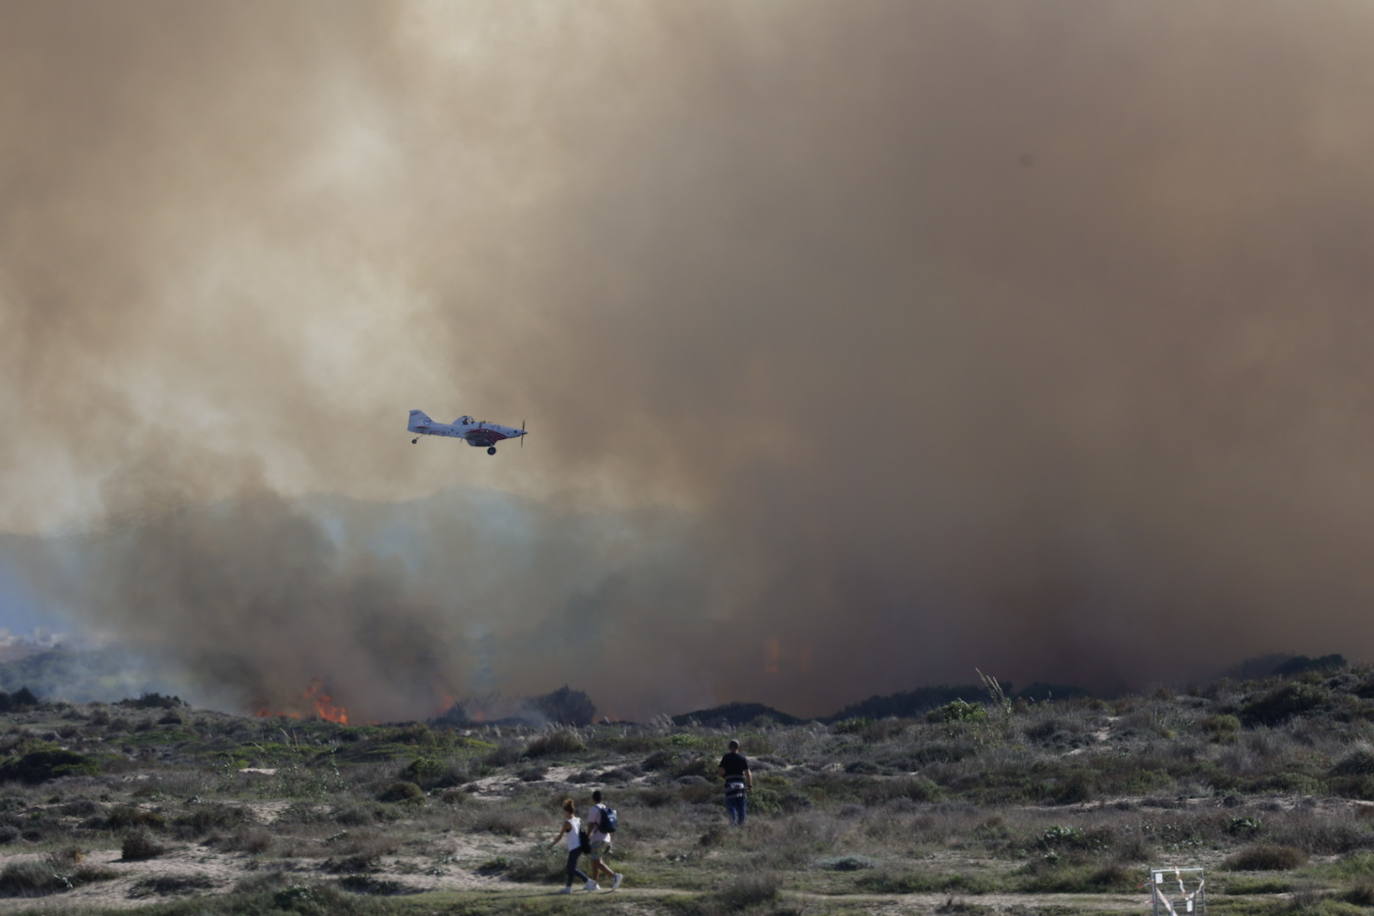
522 433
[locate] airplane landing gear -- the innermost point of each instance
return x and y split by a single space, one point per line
415 441
491 450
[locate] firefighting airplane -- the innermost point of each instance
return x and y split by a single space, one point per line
478 433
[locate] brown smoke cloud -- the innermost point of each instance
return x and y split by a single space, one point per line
860 343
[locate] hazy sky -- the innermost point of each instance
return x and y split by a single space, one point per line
860 343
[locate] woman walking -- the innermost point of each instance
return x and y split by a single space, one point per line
572 829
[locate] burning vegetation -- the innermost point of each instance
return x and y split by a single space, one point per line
315 702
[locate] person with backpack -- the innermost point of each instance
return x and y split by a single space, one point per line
577 844
602 822
734 769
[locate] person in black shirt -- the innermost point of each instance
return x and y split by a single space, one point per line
734 769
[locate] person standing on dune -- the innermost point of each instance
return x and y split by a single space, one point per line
734 769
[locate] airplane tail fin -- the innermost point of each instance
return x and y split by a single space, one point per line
417 417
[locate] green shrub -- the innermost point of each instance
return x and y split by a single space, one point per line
851 726
958 711
1220 727
1281 704
1058 836
48 763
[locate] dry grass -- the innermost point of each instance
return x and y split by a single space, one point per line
1075 796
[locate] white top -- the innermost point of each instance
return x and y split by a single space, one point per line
594 825
574 827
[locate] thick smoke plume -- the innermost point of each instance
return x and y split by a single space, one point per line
860 343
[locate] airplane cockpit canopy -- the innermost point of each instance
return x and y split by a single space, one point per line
464 419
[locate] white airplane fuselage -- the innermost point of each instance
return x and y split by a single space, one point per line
477 433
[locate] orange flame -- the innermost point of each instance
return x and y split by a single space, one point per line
324 704
319 701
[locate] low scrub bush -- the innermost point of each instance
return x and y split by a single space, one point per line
1266 857
958 711
123 817
1050 878
886 882
152 701
1238 886
1281 704
1359 762
254 840
202 819
49 763
1361 894
658 760
846 863
51 875
562 741
536 866
747 891
1224 727
656 796
169 885
377 887
502 820
140 845
915 788
432 773
402 792
32 878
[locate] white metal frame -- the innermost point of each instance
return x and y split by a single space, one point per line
1183 903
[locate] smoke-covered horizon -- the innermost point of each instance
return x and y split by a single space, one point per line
860 344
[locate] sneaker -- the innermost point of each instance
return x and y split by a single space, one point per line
566 890
592 885
616 883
